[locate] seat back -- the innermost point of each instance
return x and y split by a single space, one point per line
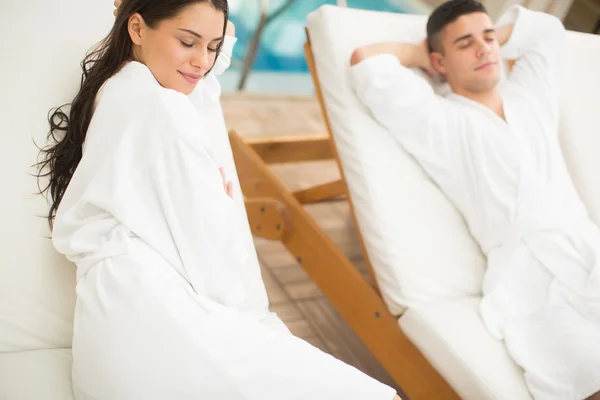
417 242
43 43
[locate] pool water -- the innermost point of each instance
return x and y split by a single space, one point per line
282 40
279 65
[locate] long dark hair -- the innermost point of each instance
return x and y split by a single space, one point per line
67 132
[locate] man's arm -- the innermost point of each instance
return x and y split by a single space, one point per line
413 55
537 43
409 55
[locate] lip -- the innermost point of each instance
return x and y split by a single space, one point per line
191 78
485 66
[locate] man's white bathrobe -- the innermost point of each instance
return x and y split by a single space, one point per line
170 302
541 290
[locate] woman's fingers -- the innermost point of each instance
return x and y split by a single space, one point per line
227 185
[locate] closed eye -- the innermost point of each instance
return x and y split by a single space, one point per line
188 45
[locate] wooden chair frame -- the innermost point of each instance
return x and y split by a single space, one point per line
278 214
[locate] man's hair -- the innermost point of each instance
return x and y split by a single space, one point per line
445 14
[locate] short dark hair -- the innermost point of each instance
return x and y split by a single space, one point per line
445 14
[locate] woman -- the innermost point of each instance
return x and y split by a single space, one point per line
139 206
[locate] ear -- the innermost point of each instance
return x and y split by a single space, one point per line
135 27
437 62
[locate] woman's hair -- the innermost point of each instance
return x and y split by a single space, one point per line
68 128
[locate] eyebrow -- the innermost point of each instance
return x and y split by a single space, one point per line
199 36
470 35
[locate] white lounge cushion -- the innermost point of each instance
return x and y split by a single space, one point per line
580 117
451 335
419 246
39 70
36 374
422 253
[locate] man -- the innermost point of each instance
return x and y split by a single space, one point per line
492 146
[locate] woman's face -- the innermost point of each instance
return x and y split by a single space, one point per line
180 50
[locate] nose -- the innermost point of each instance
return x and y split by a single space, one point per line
483 48
202 59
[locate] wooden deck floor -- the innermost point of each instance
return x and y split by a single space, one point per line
293 296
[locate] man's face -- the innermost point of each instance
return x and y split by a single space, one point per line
470 56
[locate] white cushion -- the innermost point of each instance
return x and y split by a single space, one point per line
420 248
451 335
422 253
39 70
580 118
36 374
402 215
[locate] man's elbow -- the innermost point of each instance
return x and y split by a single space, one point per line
357 56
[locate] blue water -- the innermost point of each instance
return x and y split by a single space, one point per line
281 46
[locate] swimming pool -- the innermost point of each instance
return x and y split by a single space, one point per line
280 58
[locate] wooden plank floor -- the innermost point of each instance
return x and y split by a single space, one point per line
292 294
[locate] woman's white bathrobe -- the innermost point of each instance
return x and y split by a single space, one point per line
541 290
167 300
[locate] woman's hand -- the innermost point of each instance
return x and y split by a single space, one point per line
227 185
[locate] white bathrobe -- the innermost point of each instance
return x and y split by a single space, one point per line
541 290
170 303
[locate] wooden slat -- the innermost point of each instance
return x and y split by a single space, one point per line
292 149
323 192
290 274
274 290
356 301
287 312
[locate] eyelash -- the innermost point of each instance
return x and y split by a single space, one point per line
468 44
187 45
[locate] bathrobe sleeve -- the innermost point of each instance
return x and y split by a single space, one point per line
537 44
408 107
166 187
224 60
200 217
208 90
